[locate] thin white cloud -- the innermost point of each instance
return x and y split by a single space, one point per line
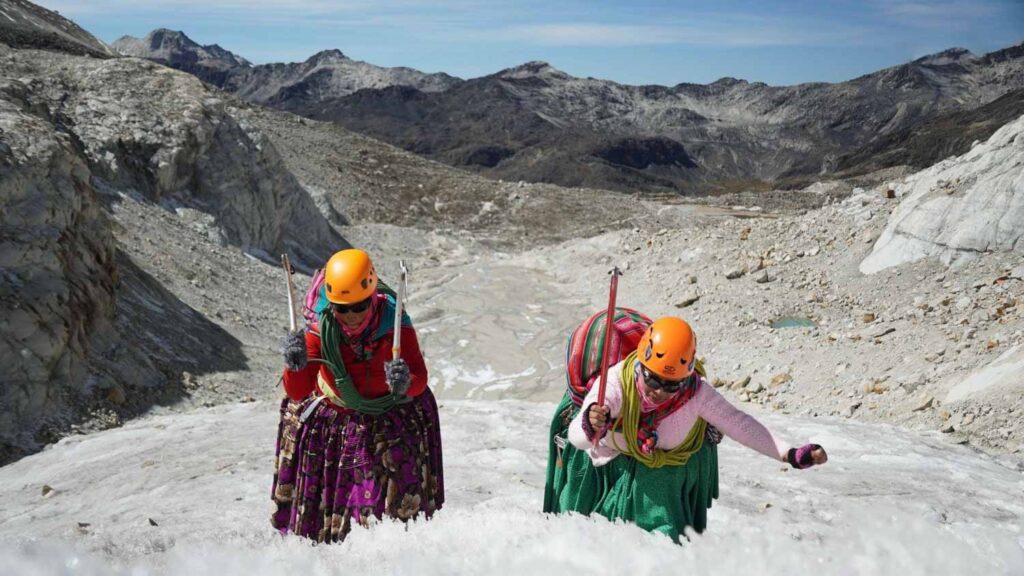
736 34
302 8
312 7
584 34
939 13
540 24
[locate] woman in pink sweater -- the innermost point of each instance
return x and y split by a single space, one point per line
642 456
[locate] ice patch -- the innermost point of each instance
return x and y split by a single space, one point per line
1007 370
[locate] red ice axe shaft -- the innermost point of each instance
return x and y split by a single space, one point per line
609 320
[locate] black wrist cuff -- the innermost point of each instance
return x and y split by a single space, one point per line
791 458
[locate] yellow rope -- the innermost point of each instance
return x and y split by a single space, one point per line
629 420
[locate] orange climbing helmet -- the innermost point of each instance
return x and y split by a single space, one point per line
349 277
668 348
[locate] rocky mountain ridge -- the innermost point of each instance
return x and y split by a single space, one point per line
933 140
536 123
324 75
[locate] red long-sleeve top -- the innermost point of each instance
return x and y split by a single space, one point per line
367 375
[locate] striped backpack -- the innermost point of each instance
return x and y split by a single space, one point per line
583 351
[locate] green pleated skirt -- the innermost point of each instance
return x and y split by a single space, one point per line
666 499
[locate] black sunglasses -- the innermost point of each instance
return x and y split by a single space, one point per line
357 307
658 383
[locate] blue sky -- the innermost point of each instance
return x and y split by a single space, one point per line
637 42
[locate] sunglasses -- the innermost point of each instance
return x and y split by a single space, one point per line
356 308
658 383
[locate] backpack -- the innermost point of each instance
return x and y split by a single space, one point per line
583 351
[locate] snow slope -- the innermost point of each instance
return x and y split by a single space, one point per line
888 502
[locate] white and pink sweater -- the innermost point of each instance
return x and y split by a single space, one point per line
707 403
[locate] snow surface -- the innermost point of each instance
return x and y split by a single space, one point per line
888 502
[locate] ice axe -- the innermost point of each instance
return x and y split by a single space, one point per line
609 321
288 271
403 285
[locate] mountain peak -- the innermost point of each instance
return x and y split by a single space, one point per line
171 46
947 56
532 69
164 37
332 55
728 81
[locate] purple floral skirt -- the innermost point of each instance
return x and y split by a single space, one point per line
343 467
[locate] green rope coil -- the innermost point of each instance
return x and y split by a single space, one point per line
331 339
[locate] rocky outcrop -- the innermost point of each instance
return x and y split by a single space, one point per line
959 208
58 278
85 329
25 25
162 134
1002 375
645 152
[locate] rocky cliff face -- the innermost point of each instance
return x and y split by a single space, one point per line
88 331
960 208
325 75
184 147
57 255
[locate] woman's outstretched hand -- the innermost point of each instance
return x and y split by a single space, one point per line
806 456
